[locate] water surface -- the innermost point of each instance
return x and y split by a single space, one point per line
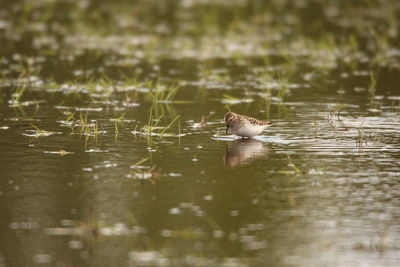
113 145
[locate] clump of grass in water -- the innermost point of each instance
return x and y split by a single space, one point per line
17 95
293 166
151 129
282 110
104 86
268 103
159 93
281 84
116 130
361 139
162 96
150 174
117 121
39 132
372 92
335 111
316 128
69 120
90 130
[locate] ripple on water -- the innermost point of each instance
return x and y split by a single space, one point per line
277 139
273 139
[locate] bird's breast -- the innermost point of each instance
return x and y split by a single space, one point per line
249 130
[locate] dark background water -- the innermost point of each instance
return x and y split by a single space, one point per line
83 183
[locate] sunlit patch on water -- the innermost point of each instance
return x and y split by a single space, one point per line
149 133
15 103
272 138
278 139
140 175
219 137
39 133
97 150
233 100
60 152
106 165
379 124
117 229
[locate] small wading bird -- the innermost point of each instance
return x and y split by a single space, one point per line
244 126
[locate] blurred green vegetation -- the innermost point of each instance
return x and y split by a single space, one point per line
368 23
84 41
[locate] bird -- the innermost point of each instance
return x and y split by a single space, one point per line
244 126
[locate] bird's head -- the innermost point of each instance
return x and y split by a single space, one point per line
229 116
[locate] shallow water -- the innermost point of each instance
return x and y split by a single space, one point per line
87 179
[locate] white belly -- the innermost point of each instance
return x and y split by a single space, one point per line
249 130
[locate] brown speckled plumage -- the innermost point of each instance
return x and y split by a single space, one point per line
236 121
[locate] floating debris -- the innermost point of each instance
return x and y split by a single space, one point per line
97 150
106 164
208 197
15 103
234 213
140 175
175 211
75 244
233 100
39 133
173 174
22 119
60 152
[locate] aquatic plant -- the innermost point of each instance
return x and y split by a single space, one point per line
39 132
17 96
151 130
159 93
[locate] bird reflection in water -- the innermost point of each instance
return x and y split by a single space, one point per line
243 151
